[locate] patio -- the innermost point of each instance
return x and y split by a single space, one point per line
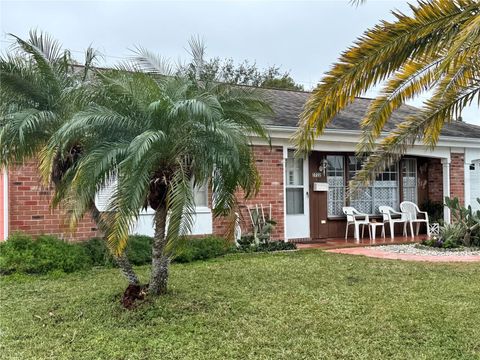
336 243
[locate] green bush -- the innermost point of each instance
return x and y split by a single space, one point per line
434 210
201 249
98 252
247 244
23 254
277 246
139 251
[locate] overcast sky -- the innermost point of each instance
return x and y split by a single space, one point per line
304 38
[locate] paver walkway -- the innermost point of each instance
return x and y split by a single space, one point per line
373 252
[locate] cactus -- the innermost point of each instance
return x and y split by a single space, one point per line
468 219
262 227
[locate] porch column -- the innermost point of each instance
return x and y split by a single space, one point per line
446 188
467 186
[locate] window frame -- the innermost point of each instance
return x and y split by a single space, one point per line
293 187
415 166
399 182
203 188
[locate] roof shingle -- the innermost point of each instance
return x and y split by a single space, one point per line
287 106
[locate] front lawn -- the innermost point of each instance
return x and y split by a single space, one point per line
298 305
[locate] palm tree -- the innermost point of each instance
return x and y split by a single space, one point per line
41 89
435 49
172 134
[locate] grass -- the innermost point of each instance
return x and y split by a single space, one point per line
296 305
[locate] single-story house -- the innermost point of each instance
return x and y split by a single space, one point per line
306 195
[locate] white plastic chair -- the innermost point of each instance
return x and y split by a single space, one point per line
352 219
413 211
390 216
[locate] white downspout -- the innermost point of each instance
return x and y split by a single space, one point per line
446 188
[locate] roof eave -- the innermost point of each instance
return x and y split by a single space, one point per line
288 131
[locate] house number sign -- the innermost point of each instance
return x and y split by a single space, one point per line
322 170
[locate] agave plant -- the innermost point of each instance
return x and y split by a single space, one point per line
467 220
41 89
435 49
171 134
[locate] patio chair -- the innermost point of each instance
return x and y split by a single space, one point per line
413 216
391 217
352 219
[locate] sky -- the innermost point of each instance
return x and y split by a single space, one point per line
302 37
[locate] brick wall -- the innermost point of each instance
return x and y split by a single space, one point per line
29 209
2 210
270 167
457 181
457 177
435 180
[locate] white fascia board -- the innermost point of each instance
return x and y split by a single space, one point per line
353 136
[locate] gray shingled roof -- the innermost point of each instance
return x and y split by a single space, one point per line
287 106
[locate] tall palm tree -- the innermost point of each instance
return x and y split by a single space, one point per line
172 134
436 49
40 90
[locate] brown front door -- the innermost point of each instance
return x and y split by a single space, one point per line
318 199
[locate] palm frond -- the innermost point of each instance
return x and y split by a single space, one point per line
197 52
151 63
378 54
181 207
413 79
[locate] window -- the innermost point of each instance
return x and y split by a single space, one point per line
361 199
294 184
409 180
336 184
385 189
200 195
382 191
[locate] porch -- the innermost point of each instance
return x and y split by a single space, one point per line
317 189
337 243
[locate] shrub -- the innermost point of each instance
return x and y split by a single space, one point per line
434 210
139 249
23 254
465 230
98 252
247 244
468 221
190 250
276 246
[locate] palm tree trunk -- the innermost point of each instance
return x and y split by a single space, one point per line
122 260
126 268
160 261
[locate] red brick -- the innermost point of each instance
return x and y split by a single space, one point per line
30 199
269 163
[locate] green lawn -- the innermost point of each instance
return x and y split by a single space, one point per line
300 305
